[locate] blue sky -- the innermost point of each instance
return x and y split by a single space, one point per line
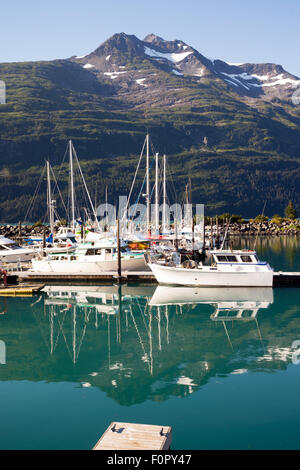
233 30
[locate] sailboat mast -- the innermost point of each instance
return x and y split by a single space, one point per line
164 196
106 216
156 195
147 182
72 186
49 200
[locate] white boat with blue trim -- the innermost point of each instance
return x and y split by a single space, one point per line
229 268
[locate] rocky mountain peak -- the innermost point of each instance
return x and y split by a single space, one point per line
131 64
121 43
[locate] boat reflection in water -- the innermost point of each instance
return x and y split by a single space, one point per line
139 343
230 303
154 335
240 303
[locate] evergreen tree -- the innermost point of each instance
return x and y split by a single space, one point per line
290 211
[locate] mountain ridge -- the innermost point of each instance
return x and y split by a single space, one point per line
265 80
238 142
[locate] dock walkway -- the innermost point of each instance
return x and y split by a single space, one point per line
131 436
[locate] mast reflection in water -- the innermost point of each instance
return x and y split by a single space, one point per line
147 346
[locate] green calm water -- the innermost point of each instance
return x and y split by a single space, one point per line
216 364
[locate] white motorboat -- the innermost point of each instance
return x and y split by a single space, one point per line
11 252
229 268
90 258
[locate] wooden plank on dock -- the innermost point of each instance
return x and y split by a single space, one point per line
108 276
132 436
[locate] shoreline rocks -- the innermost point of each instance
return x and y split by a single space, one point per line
287 227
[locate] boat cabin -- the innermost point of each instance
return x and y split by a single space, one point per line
235 257
89 252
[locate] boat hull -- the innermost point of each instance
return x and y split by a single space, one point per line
208 278
87 267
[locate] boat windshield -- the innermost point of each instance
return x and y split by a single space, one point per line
12 246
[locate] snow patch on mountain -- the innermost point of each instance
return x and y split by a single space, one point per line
271 80
140 81
88 66
114 75
173 56
177 73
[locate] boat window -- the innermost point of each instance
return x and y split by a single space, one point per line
93 251
246 259
227 258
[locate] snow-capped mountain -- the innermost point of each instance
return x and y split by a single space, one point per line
143 67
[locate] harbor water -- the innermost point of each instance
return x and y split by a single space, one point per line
218 365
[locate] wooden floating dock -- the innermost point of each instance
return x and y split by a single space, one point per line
127 276
285 279
280 279
131 436
19 290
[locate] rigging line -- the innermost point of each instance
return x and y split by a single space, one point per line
142 313
152 145
37 319
61 165
172 182
135 175
88 194
63 334
137 330
82 336
58 333
35 194
59 191
142 187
